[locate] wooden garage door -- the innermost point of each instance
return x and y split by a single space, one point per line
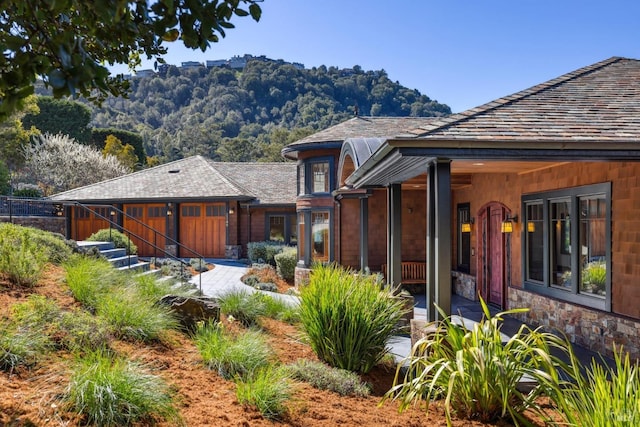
85 222
202 228
153 215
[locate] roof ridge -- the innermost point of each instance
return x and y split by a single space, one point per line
508 99
241 189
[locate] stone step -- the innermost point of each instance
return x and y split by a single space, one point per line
86 245
124 261
138 266
114 253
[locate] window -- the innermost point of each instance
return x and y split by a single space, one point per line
135 211
567 244
464 238
320 172
282 228
315 176
215 210
156 211
320 236
192 211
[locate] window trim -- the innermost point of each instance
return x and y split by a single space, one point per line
308 175
287 225
571 295
304 258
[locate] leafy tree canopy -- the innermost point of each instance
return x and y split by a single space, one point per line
99 139
61 116
68 43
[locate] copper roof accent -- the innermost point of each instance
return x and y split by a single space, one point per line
597 103
196 178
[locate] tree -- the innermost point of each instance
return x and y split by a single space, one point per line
5 179
99 139
14 137
124 153
61 116
59 163
68 43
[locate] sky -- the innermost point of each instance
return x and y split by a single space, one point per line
463 53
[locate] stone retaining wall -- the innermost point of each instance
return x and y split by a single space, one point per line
593 329
464 285
53 224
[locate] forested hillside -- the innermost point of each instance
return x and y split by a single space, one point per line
249 114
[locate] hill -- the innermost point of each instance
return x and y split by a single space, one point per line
249 114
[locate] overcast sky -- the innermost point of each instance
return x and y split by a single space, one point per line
460 52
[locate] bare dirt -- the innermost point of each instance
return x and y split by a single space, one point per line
30 397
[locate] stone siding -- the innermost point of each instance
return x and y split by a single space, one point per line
301 276
593 329
233 251
464 285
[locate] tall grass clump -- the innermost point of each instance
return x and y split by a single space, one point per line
476 373
119 239
324 377
110 391
348 318
22 259
279 309
268 389
245 307
90 278
20 346
135 318
149 287
602 396
232 356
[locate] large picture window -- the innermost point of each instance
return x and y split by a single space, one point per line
566 245
315 176
282 228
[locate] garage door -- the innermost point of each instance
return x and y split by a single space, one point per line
149 243
202 228
86 222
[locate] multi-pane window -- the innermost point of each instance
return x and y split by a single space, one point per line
320 173
190 211
282 228
135 211
156 211
567 244
215 210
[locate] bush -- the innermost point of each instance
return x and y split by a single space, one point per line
232 357
199 265
90 278
33 191
174 268
477 373
119 239
57 249
112 391
264 252
324 377
348 318
22 259
286 263
267 389
277 308
267 286
251 280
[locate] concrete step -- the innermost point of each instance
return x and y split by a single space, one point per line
85 245
138 266
114 253
124 261
157 273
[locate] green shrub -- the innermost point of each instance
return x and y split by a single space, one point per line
251 280
199 265
20 346
21 258
286 263
32 192
111 391
264 252
119 239
247 308
56 248
477 373
348 318
134 317
278 309
604 396
267 286
324 377
232 357
174 268
149 287
268 389
83 332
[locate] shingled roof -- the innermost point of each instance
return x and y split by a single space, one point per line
600 102
196 178
357 127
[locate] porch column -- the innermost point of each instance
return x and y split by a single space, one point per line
394 234
439 238
364 233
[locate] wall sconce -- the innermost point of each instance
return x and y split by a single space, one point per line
169 209
231 211
112 212
465 227
531 227
507 224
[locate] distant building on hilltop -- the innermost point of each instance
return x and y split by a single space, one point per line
191 64
145 73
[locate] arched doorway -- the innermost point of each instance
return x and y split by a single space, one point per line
493 246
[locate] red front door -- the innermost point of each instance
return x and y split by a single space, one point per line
491 263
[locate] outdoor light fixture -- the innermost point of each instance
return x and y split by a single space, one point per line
231 211
465 227
507 224
531 227
112 212
169 209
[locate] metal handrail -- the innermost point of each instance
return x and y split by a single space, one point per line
148 227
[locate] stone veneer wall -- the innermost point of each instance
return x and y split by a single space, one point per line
53 224
301 276
233 251
464 285
593 329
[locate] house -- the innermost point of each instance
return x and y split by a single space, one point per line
532 200
210 208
